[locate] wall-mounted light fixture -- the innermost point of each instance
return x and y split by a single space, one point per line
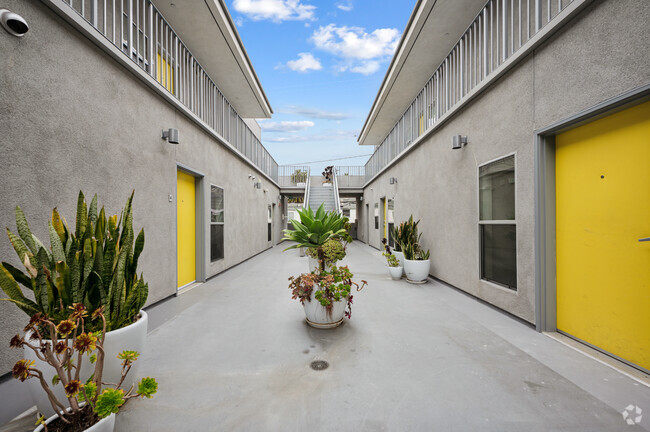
458 142
393 180
171 135
257 185
13 23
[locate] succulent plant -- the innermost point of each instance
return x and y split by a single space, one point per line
94 265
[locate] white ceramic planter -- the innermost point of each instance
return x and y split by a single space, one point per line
104 425
313 265
400 257
317 315
395 272
417 271
131 338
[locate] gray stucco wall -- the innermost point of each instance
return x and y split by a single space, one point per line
600 54
73 119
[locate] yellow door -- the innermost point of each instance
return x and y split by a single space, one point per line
185 229
603 210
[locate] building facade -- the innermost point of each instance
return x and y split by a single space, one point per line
544 210
87 93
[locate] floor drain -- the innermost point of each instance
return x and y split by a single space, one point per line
319 365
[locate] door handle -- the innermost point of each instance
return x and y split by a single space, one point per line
644 239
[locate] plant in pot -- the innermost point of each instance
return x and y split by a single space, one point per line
328 174
94 265
325 295
416 263
63 347
405 233
394 267
334 250
299 177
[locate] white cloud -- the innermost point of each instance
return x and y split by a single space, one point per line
360 51
286 126
304 63
275 10
327 135
347 7
314 113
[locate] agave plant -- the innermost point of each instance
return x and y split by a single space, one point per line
315 229
95 266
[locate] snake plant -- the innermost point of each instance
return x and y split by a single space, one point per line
94 265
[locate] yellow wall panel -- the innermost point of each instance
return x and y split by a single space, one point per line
603 209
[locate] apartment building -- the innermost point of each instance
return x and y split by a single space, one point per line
518 132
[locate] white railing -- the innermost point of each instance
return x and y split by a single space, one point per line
305 202
293 175
139 30
350 176
499 30
335 190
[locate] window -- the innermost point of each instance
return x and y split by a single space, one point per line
376 215
497 226
216 223
270 221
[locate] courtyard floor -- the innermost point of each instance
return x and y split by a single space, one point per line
234 354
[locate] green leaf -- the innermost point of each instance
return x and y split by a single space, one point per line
82 216
12 289
93 358
92 213
19 276
19 246
147 387
109 402
23 230
57 223
55 380
57 247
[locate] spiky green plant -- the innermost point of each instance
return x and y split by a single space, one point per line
315 229
95 265
407 237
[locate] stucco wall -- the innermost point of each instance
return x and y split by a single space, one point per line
73 119
600 54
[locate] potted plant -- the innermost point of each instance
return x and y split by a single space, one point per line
328 174
334 250
416 260
299 178
95 265
325 295
88 406
403 234
393 264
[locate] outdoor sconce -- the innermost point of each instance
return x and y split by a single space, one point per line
459 141
13 23
393 180
257 185
171 135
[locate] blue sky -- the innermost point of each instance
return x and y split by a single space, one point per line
321 64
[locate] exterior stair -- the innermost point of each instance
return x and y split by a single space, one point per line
319 194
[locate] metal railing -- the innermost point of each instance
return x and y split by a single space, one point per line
335 190
140 31
305 201
350 176
499 30
293 175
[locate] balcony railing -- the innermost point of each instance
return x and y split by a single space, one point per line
350 176
293 175
138 29
499 31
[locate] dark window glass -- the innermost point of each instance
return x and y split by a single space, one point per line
216 242
499 254
497 190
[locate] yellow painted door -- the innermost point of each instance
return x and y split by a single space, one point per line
603 209
185 229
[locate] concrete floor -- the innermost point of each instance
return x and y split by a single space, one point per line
234 355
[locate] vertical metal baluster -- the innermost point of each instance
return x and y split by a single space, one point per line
168 65
548 17
129 22
512 26
491 35
83 8
538 15
152 62
559 6
104 20
504 30
519 23
137 31
121 25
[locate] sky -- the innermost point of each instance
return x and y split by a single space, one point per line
321 64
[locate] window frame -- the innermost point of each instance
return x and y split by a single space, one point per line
482 223
223 224
376 216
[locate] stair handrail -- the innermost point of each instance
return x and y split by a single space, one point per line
337 199
305 198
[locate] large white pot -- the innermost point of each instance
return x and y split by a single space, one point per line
313 265
400 257
395 272
130 338
317 315
417 271
104 425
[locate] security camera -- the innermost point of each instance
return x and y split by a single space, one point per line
13 23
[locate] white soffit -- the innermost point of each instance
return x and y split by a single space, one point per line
207 30
432 31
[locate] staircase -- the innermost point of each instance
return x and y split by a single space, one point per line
319 194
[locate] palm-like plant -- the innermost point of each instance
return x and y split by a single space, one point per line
313 230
